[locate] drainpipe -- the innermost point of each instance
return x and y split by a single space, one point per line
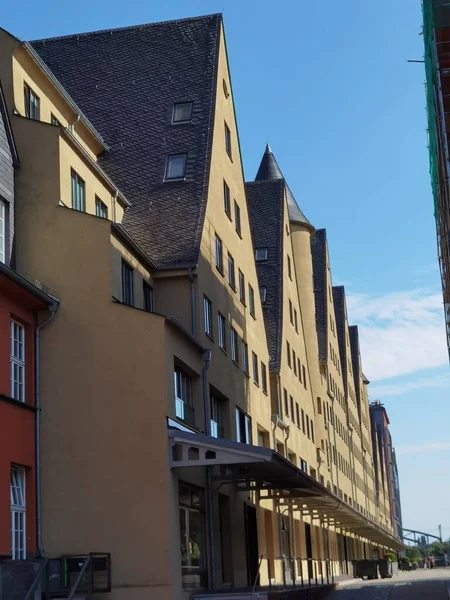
72 125
114 206
206 410
193 305
288 433
53 308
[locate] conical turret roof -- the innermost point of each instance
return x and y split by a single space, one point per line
269 170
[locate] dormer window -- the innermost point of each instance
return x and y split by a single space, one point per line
175 167
182 112
261 254
263 293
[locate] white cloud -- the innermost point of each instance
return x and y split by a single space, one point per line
400 332
420 448
402 387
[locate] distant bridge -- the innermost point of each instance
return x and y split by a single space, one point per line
420 538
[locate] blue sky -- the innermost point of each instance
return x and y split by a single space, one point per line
328 85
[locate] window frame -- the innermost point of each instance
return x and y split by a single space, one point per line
255 368
218 244
174 121
149 299
221 331
78 185
216 416
237 219
234 343
231 272
127 268
264 378
32 103
265 256
228 147
227 199
54 121
207 316
242 296
168 166
100 207
17 362
286 402
184 408
244 358
245 427
18 511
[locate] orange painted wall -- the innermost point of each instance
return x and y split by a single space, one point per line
17 422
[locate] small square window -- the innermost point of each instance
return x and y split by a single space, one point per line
176 166
261 254
101 210
237 218
263 293
228 140
226 199
182 112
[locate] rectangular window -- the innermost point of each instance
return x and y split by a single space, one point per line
148 296
17 361
291 313
207 315
303 421
241 287
308 433
289 267
78 192
264 377
228 140
216 417
263 293
219 254
261 442
192 538
175 166
237 218
304 378
295 320
312 431
183 396
234 346
182 112
243 427
231 273
54 120
299 369
18 513
294 361
255 368
127 284
292 407
244 357
2 231
221 332
288 352
286 402
226 199
303 466
251 300
32 103
261 254
101 210
297 413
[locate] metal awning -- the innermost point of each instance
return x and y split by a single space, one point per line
252 468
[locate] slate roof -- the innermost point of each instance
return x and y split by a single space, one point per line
319 262
270 170
265 209
339 311
126 81
354 345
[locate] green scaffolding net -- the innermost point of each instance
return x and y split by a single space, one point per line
431 79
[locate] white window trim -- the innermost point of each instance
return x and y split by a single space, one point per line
17 361
19 510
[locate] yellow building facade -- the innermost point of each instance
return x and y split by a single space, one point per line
200 440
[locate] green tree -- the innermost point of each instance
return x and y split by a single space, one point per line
414 554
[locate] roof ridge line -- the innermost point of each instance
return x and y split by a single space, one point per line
128 27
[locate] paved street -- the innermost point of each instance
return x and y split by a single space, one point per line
406 586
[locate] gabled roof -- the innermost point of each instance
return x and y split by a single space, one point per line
7 125
319 262
269 171
265 208
354 345
340 312
126 81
